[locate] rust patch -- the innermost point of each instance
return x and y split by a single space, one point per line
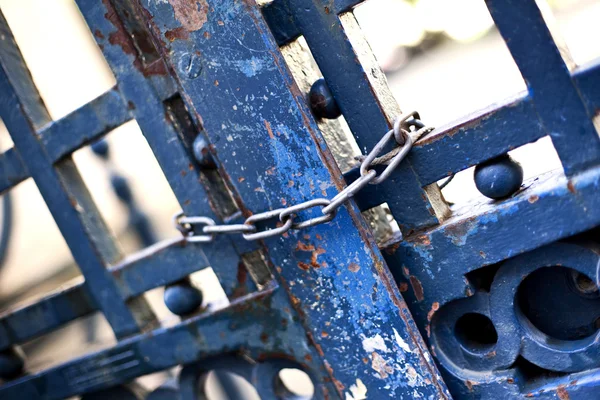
338 385
434 307
316 252
380 366
532 199
269 130
571 187
303 266
98 34
392 249
324 334
192 15
417 287
469 385
403 287
353 267
177 34
562 393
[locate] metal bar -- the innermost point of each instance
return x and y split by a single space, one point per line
165 262
45 315
84 125
20 77
265 137
361 92
502 127
12 170
135 275
199 337
137 86
158 265
587 78
65 207
282 22
554 93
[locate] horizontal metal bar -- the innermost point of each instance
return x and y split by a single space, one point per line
84 125
280 18
157 350
458 146
552 207
158 265
475 138
45 315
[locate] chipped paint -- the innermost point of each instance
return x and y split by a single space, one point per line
191 14
401 343
370 344
358 391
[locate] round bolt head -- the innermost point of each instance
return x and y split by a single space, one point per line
100 148
182 298
11 364
121 188
499 178
321 101
202 153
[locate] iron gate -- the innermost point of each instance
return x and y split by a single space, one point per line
234 135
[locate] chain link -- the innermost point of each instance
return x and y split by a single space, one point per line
407 130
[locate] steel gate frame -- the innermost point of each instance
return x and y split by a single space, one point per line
323 301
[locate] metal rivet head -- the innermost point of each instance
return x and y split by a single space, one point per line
182 298
11 364
499 178
202 153
121 188
321 101
190 65
100 148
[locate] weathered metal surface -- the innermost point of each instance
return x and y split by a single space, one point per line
263 106
322 300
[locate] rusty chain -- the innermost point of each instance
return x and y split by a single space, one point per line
401 133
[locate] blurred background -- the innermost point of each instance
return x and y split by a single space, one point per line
443 58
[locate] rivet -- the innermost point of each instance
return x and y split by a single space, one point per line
499 178
322 102
190 65
11 363
202 153
182 298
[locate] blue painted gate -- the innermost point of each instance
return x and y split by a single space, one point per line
503 296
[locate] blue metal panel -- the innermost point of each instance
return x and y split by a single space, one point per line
251 80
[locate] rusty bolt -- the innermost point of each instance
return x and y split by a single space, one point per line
190 65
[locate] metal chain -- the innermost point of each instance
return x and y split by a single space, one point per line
407 130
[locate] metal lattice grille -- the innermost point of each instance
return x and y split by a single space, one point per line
323 300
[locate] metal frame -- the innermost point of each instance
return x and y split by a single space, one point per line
324 302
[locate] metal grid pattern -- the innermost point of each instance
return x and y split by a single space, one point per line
327 303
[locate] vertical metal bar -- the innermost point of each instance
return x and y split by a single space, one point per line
89 244
557 100
138 84
367 104
273 152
